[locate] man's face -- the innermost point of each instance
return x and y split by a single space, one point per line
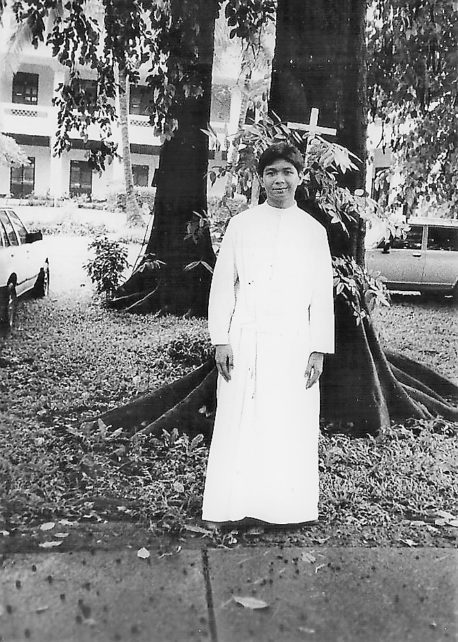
280 180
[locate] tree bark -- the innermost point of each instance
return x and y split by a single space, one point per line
132 210
320 61
181 198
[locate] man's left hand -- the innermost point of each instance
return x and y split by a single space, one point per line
314 369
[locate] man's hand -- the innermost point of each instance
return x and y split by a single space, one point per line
224 361
314 369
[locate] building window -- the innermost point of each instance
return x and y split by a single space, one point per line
381 186
140 175
87 89
250 116
139 100
22 179
80 178
25 88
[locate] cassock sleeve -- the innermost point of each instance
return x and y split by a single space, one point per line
321 312
222 292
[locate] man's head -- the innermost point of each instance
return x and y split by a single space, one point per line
280 170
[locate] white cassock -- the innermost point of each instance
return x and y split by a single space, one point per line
271 299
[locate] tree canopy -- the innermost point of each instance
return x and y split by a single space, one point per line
10 152
412 84
104 34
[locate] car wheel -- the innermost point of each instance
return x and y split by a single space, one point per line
41 287
8 311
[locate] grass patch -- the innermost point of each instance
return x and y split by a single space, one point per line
73 221
70 359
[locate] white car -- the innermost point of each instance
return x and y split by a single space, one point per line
425 259
23 264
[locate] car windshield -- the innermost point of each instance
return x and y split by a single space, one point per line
18 225
9 229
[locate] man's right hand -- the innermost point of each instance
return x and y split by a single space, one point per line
224 360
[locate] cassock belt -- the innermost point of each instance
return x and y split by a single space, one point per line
249 335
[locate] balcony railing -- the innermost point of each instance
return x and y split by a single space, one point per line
40 120
16 118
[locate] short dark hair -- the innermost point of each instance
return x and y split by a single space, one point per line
284 151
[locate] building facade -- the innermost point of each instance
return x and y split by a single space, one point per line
28 115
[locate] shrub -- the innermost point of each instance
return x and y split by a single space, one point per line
107 266
221 208
145 199
145 196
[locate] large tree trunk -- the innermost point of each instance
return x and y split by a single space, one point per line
132 210
181 196
320 61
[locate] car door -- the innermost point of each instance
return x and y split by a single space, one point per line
4 257
14 261
441 267
30 252
403 264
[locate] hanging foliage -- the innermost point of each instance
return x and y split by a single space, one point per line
109 33
412 85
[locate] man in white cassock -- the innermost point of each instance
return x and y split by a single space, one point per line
271 319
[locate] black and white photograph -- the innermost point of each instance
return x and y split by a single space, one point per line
228 320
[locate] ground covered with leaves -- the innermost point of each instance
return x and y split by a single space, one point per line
69 359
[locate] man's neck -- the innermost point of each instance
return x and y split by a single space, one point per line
281 206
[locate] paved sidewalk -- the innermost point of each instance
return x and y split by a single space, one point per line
321 595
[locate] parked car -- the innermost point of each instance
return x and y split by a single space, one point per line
23 264
424 260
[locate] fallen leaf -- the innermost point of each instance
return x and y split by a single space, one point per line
4 533
308 557
321 540
61 535
66 522
197 529
41 609
250 602
170 553
304 629
89 621
143 553
50 544
409 542
47 526
445 514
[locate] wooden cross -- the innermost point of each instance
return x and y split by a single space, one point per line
313 128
